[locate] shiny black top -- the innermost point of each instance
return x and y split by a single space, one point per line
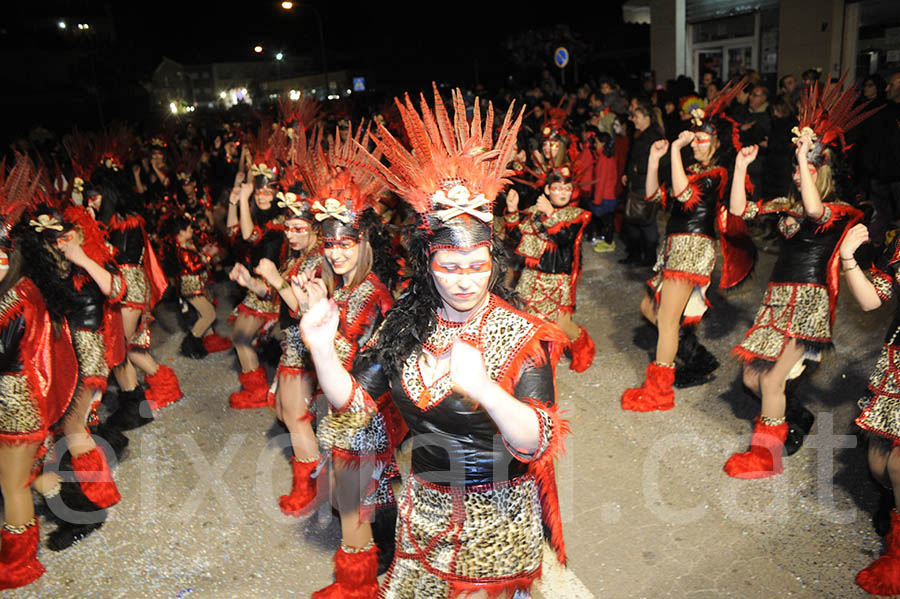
701 218
455 442
129 243
805 254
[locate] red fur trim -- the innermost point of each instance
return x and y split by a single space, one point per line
132 221
113 333
164 388
583 351
495 590
354 570
535 353
19 565
24 439
544 473
95 478
267 316
214 343
97 383
738 251
582 219
678 275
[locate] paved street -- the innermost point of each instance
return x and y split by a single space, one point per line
648 511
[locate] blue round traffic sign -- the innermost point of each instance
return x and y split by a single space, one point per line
561 57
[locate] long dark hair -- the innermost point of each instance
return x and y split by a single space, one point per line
412 319
42 267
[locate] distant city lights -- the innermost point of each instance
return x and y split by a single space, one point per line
294 94
62 24
173 107
84 26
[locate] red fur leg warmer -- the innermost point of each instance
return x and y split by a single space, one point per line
656 392
301 499
764 457
254 387
356 576
216 343
163 388
582 352
882 577
19 565
95 478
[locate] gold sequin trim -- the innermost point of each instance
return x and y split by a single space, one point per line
18 413
789 310
19 530
9 300
265 305
294 353
771 421
358 429
561 215
192 285
136 287
501 334
487 533
688 253
351 550
90 350
751 210
545 293
883 283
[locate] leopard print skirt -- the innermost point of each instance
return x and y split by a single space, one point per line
546 294
881 405
799 311
489 534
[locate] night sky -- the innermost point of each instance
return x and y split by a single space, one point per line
401 45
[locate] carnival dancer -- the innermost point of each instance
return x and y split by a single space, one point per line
38 374
295 381
879 404
548 237
358 453
261 227
464 368
795 321
193 281
676 299
73 249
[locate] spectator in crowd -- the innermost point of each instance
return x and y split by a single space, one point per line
787 85
878 159
873 88
777 179
755 119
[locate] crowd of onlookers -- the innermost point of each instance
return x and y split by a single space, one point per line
609 131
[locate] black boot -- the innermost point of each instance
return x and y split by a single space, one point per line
881 520
133 412
800 421
116 442
384 533
72 527
695 364
192 347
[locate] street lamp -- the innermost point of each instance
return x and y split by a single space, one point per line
279 56
258 49
287 5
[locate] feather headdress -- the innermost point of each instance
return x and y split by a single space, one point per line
827 113
18 190
340 189
452 171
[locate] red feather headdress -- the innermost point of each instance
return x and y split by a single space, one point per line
340 190
453 170
827 113
17 193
